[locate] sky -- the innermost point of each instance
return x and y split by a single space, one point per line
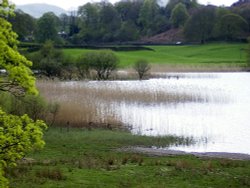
69 4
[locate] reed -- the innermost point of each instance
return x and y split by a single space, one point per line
87 104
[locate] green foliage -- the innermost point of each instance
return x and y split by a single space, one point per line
179 15
148 13
24 25
188 4
110 22
34 106
19 77
248 52
89 22
104 62
199 27
18 134
128 31
233 27
48 60
83 66
47 28
142 67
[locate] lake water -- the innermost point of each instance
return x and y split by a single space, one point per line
220 122
214 109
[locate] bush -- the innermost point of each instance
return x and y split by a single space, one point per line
142 67
104 62
34 106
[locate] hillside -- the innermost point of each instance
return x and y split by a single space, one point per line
37 10
171 36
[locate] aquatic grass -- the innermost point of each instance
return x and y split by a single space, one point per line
92 104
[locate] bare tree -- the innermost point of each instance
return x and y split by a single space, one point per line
142 67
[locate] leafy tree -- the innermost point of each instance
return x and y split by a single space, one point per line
89 22
179 15
148 12
128 31
48 60
24 25
110 22
200 25
189 4
142 67
245 13
104 62
233 26
248 53
220 12
83 66
129 10
18 134
47 28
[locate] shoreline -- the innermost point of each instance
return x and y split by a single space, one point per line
168 152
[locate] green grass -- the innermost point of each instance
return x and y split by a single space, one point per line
212 54
81 158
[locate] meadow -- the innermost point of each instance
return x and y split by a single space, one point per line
217 54
80 158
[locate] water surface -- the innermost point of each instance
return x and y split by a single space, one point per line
218 117
213 108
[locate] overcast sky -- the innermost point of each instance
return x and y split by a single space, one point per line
67 4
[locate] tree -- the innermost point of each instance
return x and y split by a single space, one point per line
82 66
110 22
189 4
47 27
24 25
128 31
18 134
48 60
142 67
220 12
179 15
104 62
233 27
248 53
148 12
89 22
200 25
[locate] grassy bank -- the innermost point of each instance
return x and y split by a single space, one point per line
195 55
81 158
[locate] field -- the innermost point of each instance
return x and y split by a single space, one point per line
197 55
81 158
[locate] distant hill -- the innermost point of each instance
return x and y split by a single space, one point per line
37 10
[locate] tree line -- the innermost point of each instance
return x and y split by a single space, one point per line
133 20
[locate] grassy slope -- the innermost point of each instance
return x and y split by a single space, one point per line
193 54
81 158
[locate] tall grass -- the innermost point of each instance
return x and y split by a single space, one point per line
87 104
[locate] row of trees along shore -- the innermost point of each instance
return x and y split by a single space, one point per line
136 20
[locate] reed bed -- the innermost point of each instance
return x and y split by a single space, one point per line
87 104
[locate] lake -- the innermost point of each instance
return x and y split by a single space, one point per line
212 108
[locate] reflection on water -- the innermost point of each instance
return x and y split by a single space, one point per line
221 123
